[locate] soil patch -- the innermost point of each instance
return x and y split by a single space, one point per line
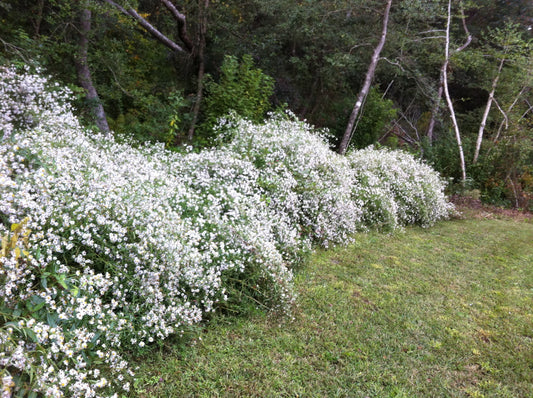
473 208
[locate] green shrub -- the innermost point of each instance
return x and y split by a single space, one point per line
377 114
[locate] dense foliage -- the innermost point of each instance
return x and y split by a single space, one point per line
316 54
108 247
242 89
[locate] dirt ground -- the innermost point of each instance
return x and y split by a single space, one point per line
473 208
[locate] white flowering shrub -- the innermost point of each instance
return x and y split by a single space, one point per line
400 189
249 237
301 177
23 107
108 247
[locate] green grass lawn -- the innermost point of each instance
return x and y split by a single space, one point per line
439 312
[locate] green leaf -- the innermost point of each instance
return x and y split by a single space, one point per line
31 334
74 291
38 307
51 319
61 280
95 338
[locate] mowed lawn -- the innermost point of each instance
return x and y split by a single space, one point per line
439 312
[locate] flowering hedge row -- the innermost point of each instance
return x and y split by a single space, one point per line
109 245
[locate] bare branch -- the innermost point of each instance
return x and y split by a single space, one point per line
526 112
148 26
405 136
178 16
468 40
357 46
427 38
393 63
404 117
118 82
387 89
505 118
181 20
432 31
469 36
18 50
509 109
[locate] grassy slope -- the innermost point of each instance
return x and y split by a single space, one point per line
445 311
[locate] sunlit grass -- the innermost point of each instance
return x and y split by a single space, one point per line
445 311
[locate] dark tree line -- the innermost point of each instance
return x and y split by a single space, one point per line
449 79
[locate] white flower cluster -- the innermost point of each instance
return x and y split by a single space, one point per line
124 245
398 189
301 177
329 196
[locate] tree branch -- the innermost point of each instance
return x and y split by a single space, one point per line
526 112
404 117
509 109
427 38
357 46
393 63
148 26
181 20
506 119
469 36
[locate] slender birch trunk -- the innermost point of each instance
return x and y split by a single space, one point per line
350 128
486 112
447 94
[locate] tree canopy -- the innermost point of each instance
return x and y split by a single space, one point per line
148 61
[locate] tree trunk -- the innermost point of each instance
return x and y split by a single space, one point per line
435 110
201 67
486 112
84 73
350 128
38 18
447 92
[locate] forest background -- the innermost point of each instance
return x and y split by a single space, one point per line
166 71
